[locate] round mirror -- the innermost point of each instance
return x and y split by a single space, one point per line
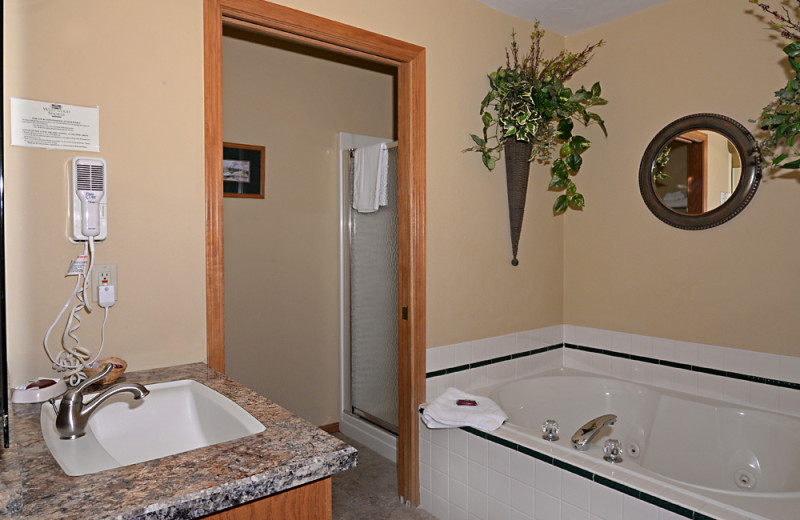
699 171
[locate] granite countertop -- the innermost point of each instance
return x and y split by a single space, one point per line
289 453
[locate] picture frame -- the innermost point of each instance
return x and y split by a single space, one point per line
243 172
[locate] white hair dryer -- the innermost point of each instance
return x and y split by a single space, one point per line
89 201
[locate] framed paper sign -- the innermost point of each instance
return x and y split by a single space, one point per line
243 170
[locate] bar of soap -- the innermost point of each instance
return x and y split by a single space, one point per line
39 384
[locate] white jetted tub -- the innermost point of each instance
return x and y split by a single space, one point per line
723 453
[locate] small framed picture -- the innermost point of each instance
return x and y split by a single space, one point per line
243 170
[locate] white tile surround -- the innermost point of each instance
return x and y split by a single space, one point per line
464 476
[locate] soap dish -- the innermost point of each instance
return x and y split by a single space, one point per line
38 390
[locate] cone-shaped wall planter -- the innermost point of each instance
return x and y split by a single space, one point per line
518 168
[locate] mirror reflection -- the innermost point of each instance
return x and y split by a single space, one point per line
696 171
699 171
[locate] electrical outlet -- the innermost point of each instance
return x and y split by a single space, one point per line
105 275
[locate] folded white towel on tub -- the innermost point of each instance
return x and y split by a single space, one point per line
445 412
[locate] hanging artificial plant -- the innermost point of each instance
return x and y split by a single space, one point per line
528 101
781 118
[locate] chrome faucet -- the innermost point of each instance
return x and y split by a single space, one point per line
587 432
72 416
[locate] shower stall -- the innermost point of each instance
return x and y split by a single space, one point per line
369 308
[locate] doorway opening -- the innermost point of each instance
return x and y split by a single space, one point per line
292 25
282 256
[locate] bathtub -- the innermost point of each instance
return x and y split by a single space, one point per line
705 450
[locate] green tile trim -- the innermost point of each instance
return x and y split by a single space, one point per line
669 506
632 357
684 366
491 361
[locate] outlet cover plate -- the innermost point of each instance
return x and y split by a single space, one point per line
99 274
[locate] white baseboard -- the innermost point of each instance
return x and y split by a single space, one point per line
374 438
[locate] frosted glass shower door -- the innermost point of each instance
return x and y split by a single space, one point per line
373 308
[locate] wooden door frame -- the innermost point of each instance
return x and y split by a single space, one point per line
290 24
696 170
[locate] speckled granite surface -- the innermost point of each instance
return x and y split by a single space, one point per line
290 452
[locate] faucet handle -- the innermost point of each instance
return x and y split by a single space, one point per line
612 451
550 430
78 389
107 368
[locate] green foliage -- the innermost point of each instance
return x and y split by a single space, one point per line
661 163
528 101
781 118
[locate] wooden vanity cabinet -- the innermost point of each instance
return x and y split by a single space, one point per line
310 501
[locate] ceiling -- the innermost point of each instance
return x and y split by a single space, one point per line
567 17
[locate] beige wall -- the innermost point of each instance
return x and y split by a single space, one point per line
145 72
615 270
282 252
735 285
473 291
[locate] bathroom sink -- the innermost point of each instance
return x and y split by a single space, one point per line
175 417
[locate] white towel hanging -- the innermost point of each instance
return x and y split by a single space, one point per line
370 178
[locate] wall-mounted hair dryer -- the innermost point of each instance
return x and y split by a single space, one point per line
88 199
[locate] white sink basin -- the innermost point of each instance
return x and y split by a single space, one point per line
175 417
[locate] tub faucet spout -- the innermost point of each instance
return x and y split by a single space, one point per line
587 432
73 414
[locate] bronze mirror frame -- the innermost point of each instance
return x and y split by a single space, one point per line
741 139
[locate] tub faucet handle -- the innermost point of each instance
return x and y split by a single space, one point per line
612 450
550 430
